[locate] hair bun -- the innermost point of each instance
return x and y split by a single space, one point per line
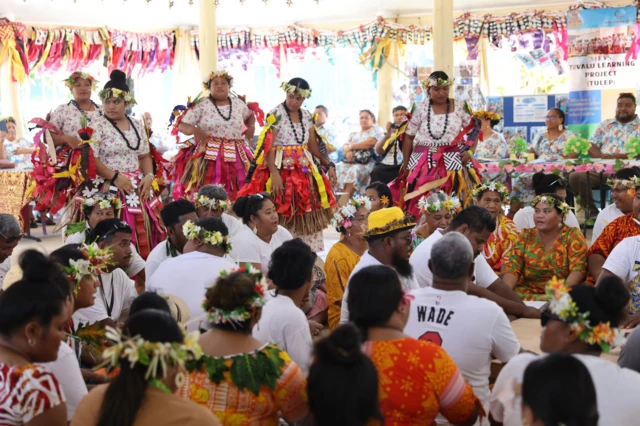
118 76
240 206
342 346
36 266
537 179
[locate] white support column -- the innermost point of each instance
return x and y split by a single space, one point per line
443 36
208 31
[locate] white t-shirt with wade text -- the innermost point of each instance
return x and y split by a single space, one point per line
470 329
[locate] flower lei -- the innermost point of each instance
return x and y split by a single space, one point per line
343 216
560 205
215 238
245 312
562 305
118 94
214 74
493 186
97 261
432 81
452 204
210 203
103 201
487 115
153 355
631 185
71 80
289 88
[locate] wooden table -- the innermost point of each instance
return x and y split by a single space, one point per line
528 332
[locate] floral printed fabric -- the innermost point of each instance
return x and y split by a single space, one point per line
611 135
338 267
67 119
418 380
235 407
21 159
551 150
355 173
522 187
205 116
621 228
285 132
535 266
110 147
495 146
27 392
498 247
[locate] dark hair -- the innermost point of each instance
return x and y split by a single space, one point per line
382 189
171 213
494 123
213 224
559 390
556 205
560 113
372 115
118 80
38 296
125 394
247 206
107 228
323 108
627 96
605 303
545 183
10 120
343 382
63 257
627 173
229 293
300 83
440 75
399 108
374 294
291 265
476 218
149 300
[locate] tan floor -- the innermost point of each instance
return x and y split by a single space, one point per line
48 244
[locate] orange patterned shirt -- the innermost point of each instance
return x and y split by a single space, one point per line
417 381
234 407
619 229
496 250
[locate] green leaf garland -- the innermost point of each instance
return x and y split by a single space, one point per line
74 228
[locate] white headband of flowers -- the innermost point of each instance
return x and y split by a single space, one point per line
103 201
153 355
220 73
553 202
245 312
451 204
211 203
290 88
343 217
215 238
97 261
491 186
117 94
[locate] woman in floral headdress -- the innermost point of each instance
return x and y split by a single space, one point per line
491 196
437 211
551 249
121 144
492 144
285 167
439 144
219 152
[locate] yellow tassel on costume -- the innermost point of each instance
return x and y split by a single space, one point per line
271 120
30 190
155 186
322 190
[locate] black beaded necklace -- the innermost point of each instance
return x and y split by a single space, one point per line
295 134
83 112
446 121
220 113
113 123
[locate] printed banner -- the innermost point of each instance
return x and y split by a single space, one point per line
601 63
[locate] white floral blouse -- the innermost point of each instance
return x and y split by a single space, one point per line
67 118
205 116
111 148
285 132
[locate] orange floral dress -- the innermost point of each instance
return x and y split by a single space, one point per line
496 250
619 229
418 380
281 388
535 266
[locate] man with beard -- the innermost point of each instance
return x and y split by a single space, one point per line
389 238
476 224
608 143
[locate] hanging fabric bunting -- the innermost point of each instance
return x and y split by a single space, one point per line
14 48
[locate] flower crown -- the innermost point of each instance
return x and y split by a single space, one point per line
245 312
631 185
554 202
433 81
344 214
73 78
215 238
487 115
210 203
492 186
103 201
214 74
452 204
290 88
118 94
97 261
562 305
153 355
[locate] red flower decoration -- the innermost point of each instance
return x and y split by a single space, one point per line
85 134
